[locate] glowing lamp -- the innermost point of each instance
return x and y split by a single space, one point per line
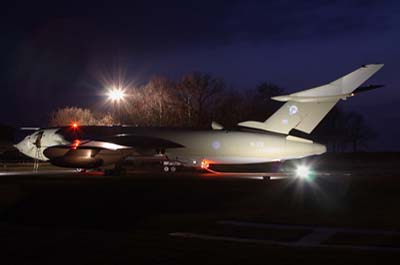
302 171
75 144
116 94
74 125
205 164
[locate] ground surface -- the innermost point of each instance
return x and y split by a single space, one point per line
69 218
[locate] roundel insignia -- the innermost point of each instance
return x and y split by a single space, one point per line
216 145
293 109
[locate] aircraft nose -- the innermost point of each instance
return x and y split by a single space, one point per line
21 146
18 146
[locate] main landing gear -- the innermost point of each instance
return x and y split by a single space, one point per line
118 170
115 172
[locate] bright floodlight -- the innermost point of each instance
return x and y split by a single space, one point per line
116 94
302 171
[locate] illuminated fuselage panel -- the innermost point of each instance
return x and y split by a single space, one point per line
236 147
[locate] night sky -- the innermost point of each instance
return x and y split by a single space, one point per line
55 54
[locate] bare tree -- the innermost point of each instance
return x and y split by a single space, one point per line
263 105
68 115
268 90
357 132
331 131
160 101
340 129
153 104
233 106
135 109
194 92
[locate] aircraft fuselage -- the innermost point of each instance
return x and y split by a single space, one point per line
99 146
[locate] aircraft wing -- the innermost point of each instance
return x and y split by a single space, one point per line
106 150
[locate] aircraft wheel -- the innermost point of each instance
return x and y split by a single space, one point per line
166 169
172 169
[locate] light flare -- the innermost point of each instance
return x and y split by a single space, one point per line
205 164
116 94
303 171
75 144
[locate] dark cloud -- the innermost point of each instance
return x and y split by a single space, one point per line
173 24
294 20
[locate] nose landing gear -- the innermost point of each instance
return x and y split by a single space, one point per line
38 145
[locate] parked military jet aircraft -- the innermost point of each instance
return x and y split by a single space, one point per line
251 142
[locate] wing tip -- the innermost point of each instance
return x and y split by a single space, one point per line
373 65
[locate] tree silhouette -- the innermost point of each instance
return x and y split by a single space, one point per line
68 115
194 92
340 129
358 133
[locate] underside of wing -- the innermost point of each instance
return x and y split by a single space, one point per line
96 153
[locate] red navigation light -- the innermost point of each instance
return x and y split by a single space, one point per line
205 164
75 144
74 125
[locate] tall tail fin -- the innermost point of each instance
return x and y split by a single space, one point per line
304 110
